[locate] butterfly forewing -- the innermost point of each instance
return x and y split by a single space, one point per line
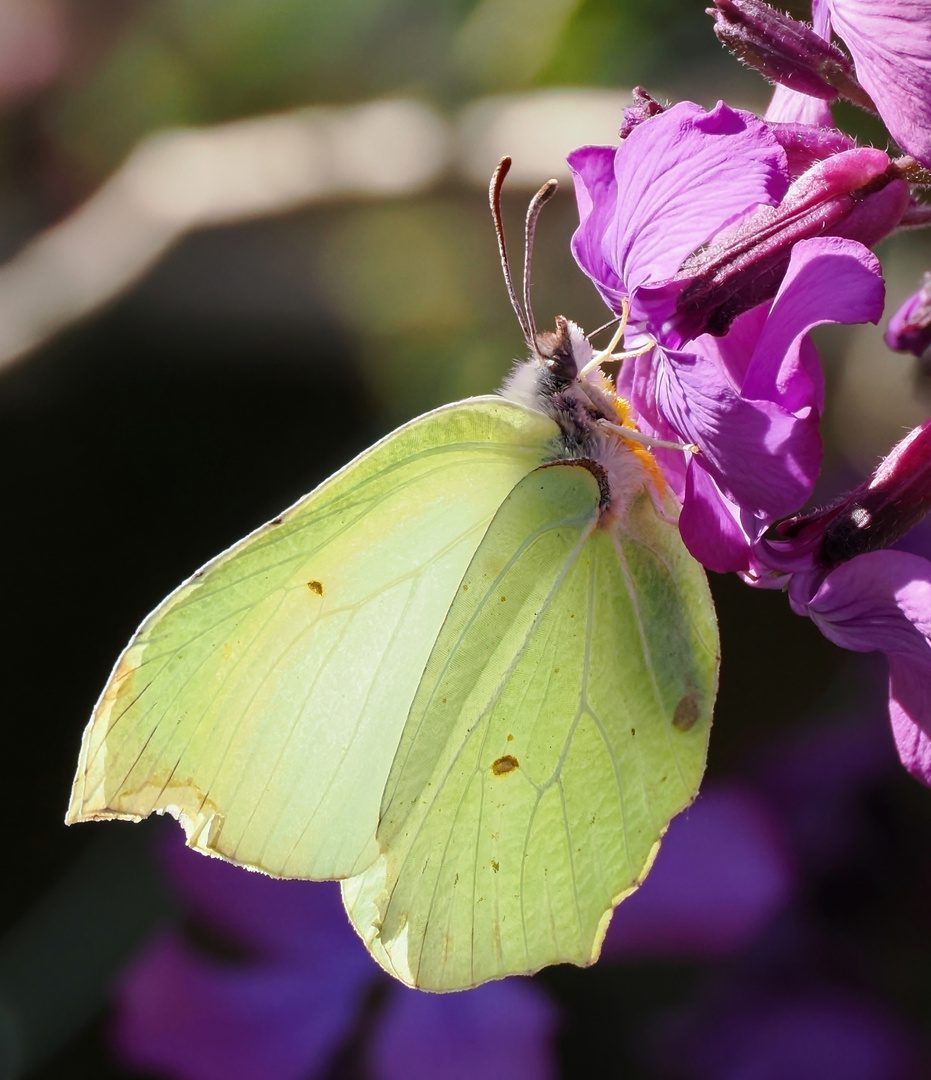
562 720
262 702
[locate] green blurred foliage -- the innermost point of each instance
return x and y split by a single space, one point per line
206 61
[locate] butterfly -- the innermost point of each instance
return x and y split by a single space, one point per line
471 675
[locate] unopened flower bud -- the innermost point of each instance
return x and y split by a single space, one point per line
643 108
857 194
875 514
786 51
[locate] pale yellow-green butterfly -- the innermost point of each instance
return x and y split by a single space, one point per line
471 675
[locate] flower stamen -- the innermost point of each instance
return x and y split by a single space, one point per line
609 354
648 440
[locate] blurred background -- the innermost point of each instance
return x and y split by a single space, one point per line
239 241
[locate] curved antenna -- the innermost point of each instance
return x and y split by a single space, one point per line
494 199
537 203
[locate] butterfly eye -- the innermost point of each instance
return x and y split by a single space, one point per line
562 365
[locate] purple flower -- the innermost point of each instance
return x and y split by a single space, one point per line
750 400
890 43
865 598
796 1003
284 985
676 181
819 1032
909 329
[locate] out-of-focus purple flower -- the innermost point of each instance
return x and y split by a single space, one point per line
820 1033
33 46
890 43
864 598
499 1031
909 329
681 183
818 777
287 988
792 1004
724 871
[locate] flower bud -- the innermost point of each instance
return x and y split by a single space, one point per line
875 514
786 51
857 194
643 108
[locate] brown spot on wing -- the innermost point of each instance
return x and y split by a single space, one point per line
504 765
315 587
686 713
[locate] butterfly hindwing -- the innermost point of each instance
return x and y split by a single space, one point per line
561 721
263 701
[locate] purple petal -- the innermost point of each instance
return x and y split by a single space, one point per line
734 351
596 194
636 383
821 17
790 107
877 215
761 456
890 43
183 1016
678 179
829 280
882 601
499 1031
722 873
709 527
909 711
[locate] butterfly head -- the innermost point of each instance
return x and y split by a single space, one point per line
563 352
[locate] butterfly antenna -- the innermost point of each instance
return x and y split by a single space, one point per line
494 199
537 203
604 326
